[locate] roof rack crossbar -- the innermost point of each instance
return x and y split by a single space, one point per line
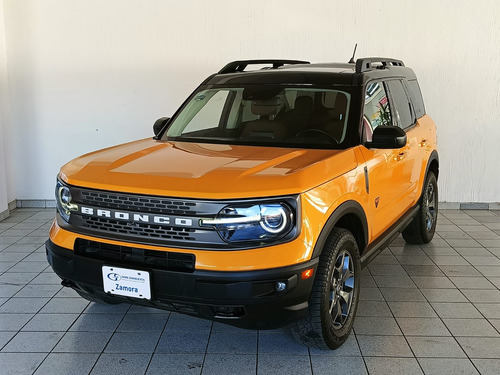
364 64
240 65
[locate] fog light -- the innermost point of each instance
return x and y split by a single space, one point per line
280 286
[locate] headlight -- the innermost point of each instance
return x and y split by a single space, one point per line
258 222
63 201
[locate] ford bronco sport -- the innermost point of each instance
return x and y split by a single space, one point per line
259 201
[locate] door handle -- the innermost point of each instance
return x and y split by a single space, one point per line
423 142
401 155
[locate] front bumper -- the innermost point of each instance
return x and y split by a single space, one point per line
246 299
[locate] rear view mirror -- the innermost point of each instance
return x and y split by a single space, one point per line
387 137
160 124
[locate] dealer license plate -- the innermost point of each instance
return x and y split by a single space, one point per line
126 282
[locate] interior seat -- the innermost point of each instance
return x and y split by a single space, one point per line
266 126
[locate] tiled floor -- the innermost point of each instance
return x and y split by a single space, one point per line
432 309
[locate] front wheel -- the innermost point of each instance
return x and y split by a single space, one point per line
422 227
334 297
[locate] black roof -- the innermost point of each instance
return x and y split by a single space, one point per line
303 72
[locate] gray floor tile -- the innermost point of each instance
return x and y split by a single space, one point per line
47 291
412 309
416 260
5 337
459 270
487 366
456 310
435 347
432 282
278 343
65 306
393 366
46 278
373 309
96 322
370 294
83 342
67 293
278 364
20 363
119 364
186 323
402 294
423 327
178 364
349 348
19 278
50 322
7 291
470 327
423 270
4 266
341 365
376 326
229 364
384 346
33 342
133 342
443 295
480 347
29 267
182 342
489 310
482 296
106 308
23 305
472 282
143 322
489 270
235 343
67 363
387 269
447 366
13 322
394 281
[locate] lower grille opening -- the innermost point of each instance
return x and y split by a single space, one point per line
123 255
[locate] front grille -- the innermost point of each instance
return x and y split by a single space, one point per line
130 256
138 203
139 229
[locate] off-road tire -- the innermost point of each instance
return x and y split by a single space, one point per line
420 231
317 328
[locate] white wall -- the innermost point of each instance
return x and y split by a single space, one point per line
89 74
4 119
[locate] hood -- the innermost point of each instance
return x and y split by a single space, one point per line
207 171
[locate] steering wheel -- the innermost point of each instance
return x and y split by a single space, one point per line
321 132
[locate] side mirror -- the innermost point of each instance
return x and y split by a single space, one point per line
387 137
160 124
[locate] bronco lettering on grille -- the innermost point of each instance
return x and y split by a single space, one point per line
136 218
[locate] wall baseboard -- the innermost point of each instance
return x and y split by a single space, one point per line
4 214
51 203
35 203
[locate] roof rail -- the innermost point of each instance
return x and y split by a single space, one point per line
239 66
364 64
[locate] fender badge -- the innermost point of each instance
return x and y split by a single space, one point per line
376 201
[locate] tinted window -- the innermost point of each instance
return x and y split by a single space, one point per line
416 98
377 110
402 109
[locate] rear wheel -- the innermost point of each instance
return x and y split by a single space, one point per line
334 298
422 227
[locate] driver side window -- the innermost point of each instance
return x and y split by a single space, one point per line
377 110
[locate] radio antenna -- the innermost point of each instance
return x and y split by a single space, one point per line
351 61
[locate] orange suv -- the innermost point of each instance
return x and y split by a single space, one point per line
258 203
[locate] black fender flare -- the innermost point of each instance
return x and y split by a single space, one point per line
348 207
434 157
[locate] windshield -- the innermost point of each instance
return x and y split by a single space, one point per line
264 115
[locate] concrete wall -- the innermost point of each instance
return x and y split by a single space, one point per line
88 74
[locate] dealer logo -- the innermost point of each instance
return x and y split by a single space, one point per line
114 276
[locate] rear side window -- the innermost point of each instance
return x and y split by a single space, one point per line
416 98
402 109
